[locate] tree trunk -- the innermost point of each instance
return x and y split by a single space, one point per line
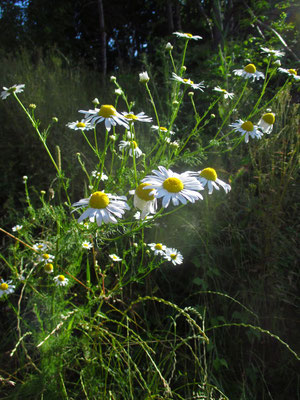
102 55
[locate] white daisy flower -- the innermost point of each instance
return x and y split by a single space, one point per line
115 258
173 255
141 117
187 35
61 280
143 200
13 89
106 113
158 248
96 174
17 228
162 129
266 122
138 216
80 125
188 82
247 128
86 245
129 144
271 52
48 268
40 246
227 95
209 177
291 72
6 287
249 72
103 207
168 185
144 77
46 258
118 92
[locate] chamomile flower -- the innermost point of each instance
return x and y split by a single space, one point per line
17 228
249 72
144 77
132 146
272 52
247 128
103 207
188 82
40 246
97 174
291 72
187 35
48 268
209 177
144 201
158 248
266 122
138 216
86 245
174 256
80 125
13 89
106 113
168 185
115 258
6 287
226 94
162 129
46 258
61 280
141 117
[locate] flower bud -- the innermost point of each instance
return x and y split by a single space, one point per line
113 78
95 101
144 77
169 47
33 106
54 119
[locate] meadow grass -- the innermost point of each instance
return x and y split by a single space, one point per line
108 325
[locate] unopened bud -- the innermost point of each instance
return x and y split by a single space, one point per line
54 119
169 47
144 77
113 78
33 106
95 101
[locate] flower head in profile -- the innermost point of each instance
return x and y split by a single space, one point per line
188 82
17 228
187 36
106 113
174 256
102 207
290 72
87 245
144 77
209 177
46 258
249 72
132 146
266 122
246 128
272 52
80 125
141 117
143 200
226 94
61 280
115 258
168 185
6 287
162 129
13 89
48 268
158 248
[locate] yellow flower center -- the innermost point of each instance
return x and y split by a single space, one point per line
131 116
209 174
48 267
189 35
251 68
46 256
61 278
173 185
247 126
292 71
40 246
80 124
162 128
107 111
4 286
144 193
134 144
99 200
158 246
269 118
173 256
188 81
